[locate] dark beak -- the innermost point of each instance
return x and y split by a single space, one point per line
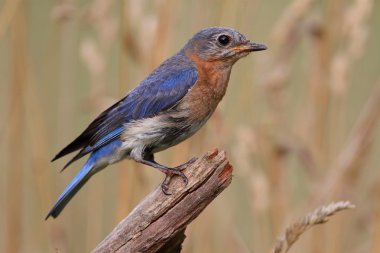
252 46
248 47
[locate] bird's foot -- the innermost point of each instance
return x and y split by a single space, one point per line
173 172
169 175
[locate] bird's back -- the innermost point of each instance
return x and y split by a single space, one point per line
161 90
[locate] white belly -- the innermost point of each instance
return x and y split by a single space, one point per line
158 133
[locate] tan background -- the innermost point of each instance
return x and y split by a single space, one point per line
287 121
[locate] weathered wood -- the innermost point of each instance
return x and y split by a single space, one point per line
158 223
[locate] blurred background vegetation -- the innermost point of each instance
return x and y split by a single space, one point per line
298 121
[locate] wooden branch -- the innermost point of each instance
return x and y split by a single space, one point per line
158 222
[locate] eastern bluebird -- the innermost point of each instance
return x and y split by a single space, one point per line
169 106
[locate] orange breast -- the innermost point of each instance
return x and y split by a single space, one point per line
210 88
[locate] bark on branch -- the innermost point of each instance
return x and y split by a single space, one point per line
158 222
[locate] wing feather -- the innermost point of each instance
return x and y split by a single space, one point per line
155 94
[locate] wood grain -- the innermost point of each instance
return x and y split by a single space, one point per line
158 222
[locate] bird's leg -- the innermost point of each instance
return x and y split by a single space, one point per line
148 159
184 166
169 176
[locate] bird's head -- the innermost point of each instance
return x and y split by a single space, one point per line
220 44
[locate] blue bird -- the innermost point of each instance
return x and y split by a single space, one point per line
169 106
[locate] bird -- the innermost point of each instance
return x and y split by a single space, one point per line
164 109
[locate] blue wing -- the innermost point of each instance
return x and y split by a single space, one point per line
167 85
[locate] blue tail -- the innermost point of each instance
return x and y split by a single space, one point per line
75 185
97 161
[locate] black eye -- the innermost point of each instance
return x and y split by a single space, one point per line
224 40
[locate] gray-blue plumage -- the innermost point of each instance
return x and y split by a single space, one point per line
169 106
162 89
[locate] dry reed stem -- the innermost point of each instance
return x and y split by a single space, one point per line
291 19
375 222
345 169
8 11
63 11
36 130
123 192
339 41
287 37
319 92
353 35
94 53
163 32
16 121
318 216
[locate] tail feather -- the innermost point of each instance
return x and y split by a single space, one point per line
96 162
80 179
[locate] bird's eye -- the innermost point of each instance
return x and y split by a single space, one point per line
224 40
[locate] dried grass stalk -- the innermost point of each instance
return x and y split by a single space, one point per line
345 170
318 216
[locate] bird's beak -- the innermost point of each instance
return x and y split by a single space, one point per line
249 46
